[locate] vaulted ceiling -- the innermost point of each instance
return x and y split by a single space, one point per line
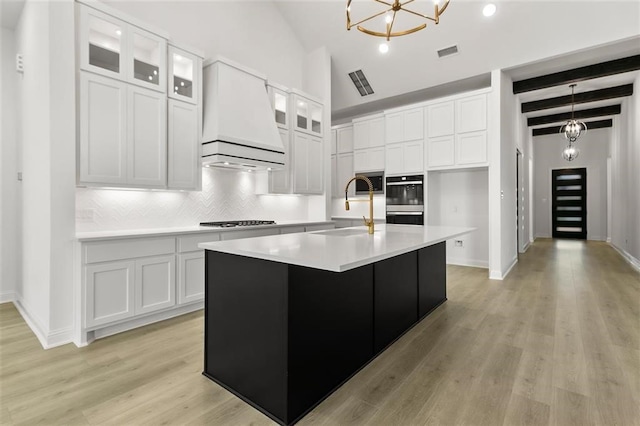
526 38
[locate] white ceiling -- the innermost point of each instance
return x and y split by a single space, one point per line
520 37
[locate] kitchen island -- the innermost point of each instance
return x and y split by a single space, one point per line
289 318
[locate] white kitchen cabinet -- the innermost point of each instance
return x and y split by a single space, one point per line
344 164
307 164
185 75
471 114
190 277
102 43
123 134
307 115
109 292
103 130
368 160
334 175
440 151
280 180
440 119
405 125
279 97
457 133
117 49
147 59
344 139
146 138
183 144
154 284
334 141
404 158
368 132
471 148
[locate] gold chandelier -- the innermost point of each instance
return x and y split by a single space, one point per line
391 10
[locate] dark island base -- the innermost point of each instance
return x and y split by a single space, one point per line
284 337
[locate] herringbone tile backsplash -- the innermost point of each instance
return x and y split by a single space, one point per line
225 195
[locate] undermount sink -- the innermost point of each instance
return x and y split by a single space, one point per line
344 232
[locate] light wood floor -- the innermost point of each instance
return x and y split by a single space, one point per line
557 342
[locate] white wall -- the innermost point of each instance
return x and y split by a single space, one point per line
460 198
44 35
625 175
252 33
594 148
226 195
10 188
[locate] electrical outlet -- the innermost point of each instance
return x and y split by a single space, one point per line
458 243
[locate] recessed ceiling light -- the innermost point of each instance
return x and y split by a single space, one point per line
118 32
226 163
489 9
383 48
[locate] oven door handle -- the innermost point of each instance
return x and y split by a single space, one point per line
405 213
408 182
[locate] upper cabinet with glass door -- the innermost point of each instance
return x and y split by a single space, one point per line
102 47
117 49
308 114
184 75
279 102
147 59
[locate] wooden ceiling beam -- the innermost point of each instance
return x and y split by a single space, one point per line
585 113
591 125
604 69
579 98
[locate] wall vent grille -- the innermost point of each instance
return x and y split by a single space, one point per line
447 51
361 83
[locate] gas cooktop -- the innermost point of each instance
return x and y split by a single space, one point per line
234 223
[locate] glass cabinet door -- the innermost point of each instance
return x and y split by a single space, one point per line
184 74
279 102
302 114
147 59
316 118
101 43
308 115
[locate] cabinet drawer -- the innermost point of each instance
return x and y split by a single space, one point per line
190 242
125 249
249 233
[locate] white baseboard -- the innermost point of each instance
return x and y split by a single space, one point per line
526 247
47 338
609 240
474 263
7 297
495 275
513 263
138 322
635 263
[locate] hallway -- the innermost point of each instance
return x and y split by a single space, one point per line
557 342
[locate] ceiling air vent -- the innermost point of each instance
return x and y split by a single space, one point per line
447 51
361 83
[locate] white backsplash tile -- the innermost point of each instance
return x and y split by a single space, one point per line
226 195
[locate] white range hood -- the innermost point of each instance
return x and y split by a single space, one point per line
239 128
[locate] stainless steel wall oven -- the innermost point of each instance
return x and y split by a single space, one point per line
405 199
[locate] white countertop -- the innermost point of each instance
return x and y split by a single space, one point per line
339 250
150 232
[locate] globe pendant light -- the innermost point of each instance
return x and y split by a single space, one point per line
570 153
573 128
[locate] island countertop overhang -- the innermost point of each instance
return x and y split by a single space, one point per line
339 250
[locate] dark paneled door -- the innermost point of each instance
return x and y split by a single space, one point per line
569 203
